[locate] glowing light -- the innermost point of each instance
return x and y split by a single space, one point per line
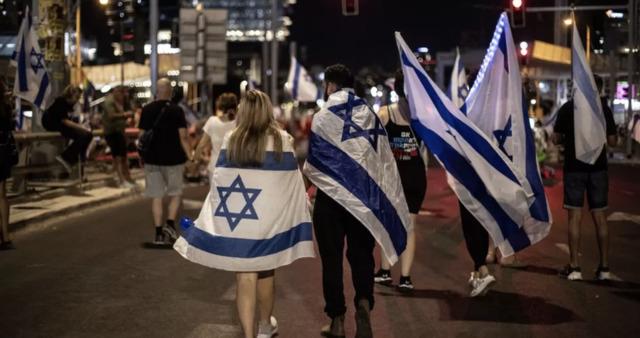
516 4
568 21
533 101
104 2
524 45
524 52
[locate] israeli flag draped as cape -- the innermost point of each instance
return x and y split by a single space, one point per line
32 81
588 118
458 88
253 219
479 173
302 87
351 161
496 105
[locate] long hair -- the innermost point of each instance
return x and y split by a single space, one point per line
255 124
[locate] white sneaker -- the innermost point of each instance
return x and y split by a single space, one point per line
480 285
268 331
603 274
127 185
571 273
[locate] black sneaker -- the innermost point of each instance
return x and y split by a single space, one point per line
603 273
159 239
405 284
170 232
383 277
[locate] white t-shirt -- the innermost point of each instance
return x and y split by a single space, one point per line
216 129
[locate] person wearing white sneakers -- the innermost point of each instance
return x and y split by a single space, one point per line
580 178
477 240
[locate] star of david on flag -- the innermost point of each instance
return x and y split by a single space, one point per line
247 211
501 135
351 129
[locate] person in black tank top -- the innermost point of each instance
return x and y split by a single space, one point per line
406 148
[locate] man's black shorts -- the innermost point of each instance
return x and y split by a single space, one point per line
117 143
596 185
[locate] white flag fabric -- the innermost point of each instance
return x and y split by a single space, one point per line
301 85
351 161
458 88
588 118
634 127
253 219
32 80
497 106
482 177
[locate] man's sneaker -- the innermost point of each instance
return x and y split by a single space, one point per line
159 239
269 330
64 163
383 277
603 274
571 273
480 285
363 320
170 232
405 284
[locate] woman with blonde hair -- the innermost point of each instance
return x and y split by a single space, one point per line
255 218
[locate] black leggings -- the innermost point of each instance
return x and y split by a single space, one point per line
475 236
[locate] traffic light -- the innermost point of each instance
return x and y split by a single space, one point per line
517 11
350 7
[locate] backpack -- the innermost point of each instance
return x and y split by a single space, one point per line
146 140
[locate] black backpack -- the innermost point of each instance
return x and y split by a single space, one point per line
146 140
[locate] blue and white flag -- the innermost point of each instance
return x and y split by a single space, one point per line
496 105
479 173
458 87
351 161
300 84
588 118
32 80
253 219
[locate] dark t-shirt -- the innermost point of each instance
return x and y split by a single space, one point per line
564 125
58 111
6 119
165 148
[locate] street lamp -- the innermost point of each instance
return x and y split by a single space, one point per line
567 22
104 2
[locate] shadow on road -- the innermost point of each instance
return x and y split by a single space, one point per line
628 295
153 246
542 270
496 306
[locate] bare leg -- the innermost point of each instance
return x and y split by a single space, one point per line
266 296
4 213
575 217
246 301
174 206
124 166
156 209
118 169
406 259
602 228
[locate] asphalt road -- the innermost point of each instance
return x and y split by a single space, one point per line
91 276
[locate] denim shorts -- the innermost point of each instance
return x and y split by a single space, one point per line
596 185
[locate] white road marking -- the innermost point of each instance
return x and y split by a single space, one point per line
623 216
425 213
563 247
188 204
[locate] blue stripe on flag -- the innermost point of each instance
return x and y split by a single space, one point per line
502 44
42 90
583 82
459 167
22 67
247 248
286 163
296 79
475 140
539 208
340 167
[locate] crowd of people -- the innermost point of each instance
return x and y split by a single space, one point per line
244 134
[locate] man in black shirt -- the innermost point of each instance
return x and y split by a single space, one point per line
164 162
580 177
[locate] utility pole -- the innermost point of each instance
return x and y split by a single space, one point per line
153 37
275 25
630 68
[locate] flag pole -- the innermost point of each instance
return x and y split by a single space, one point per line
589 45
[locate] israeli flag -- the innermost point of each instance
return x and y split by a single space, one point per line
496 105
253 219
634 127
588 118
479 173
458 88
351 161
32 81
300 84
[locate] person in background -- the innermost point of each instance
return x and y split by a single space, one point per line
57 118
413 176
581 178
6 146
214 130
164 163
114 123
